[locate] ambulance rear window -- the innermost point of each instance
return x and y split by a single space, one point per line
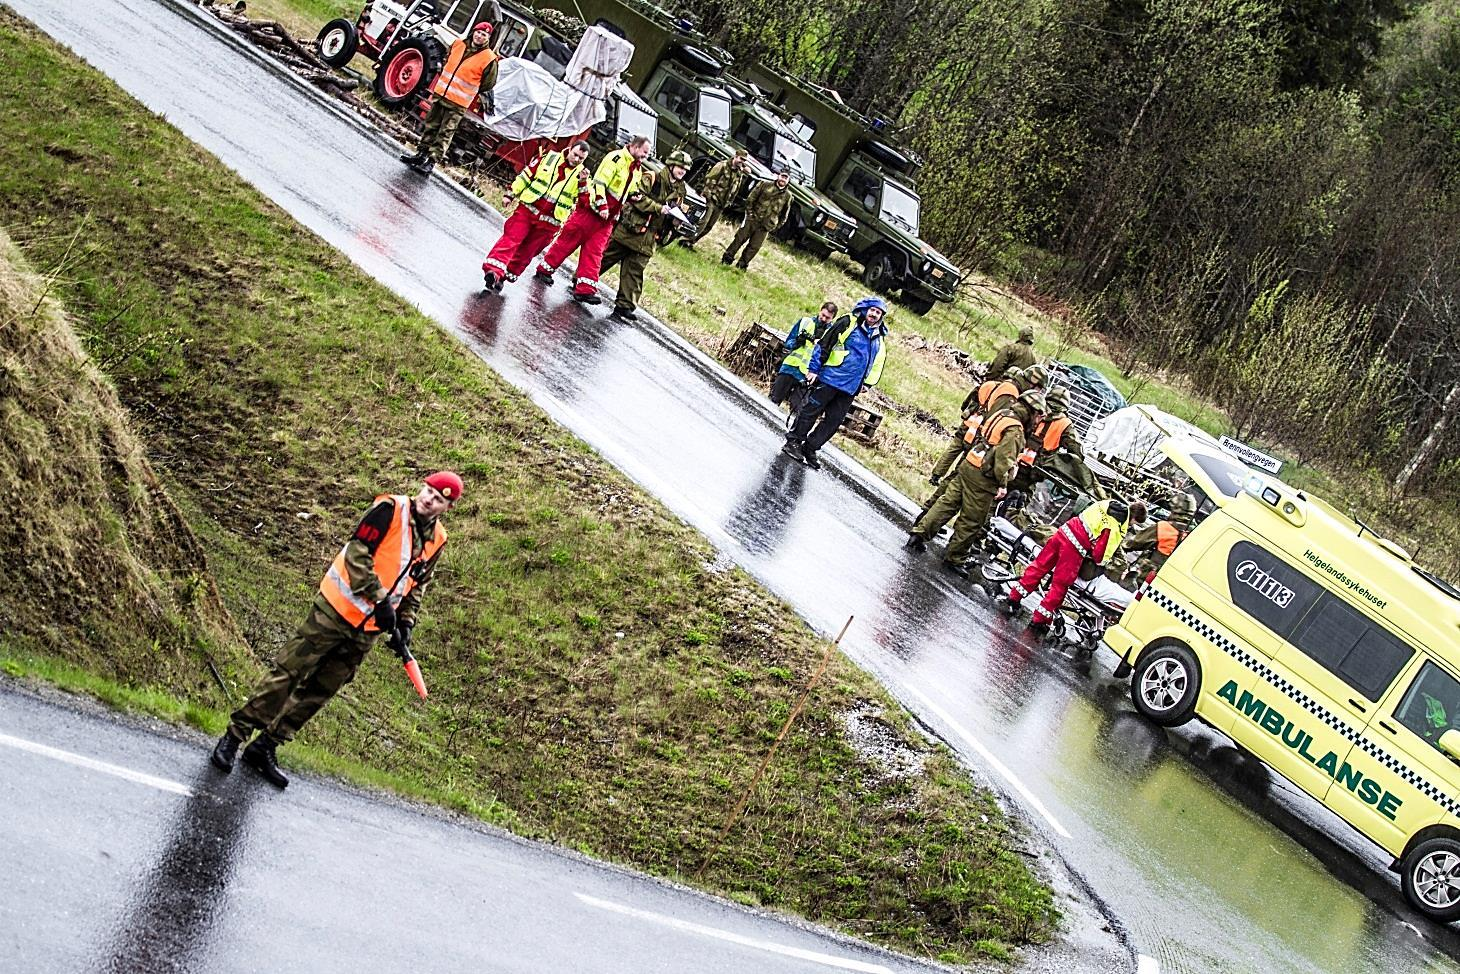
1227 475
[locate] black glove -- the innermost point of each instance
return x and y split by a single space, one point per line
384 615
400 639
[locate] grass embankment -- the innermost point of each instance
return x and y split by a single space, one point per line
594 680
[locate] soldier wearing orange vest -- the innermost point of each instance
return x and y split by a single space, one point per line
970 490
373 586
469 76
546 192
1055 447
1155 543
983 401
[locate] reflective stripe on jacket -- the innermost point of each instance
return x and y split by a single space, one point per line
540 180
461 79
836 373
802 342
617 176
1094 533
392 566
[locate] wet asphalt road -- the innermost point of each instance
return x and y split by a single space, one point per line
1207 861
178 868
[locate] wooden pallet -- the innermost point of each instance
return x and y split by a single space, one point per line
862 423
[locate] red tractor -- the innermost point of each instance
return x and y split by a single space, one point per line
408 40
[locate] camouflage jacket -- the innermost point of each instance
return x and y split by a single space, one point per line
766 206
641 221
723 183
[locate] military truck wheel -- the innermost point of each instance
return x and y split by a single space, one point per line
792 228
337 42
696 60
406 70
1166 683
918 304
1430 875
878 273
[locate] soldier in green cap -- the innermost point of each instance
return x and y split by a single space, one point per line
765 209
972 489
658 200
723 185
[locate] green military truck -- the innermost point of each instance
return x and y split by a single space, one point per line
874 182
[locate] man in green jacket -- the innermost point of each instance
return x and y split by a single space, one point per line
765 209
972 489
658 200
723 185
1018 354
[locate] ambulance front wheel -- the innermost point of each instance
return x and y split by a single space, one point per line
1165 684
1430 875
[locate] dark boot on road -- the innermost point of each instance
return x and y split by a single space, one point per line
224 752
424 165
808 457
587 298
412 158
260 756
792 449
543 274
625 315
915 542
490 280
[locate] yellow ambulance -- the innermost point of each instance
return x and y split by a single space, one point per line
1319 647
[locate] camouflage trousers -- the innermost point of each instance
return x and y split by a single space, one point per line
707 222
750 240
631 266
968 494
440 128
321 658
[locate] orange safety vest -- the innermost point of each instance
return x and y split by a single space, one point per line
1168 536
996 429
993 389
1048 437
393 566
461 79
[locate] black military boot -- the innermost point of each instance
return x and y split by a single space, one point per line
260 756
412 158
224 751
915 542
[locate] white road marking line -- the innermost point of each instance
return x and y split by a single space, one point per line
828 960
162 784
1147 965
993 762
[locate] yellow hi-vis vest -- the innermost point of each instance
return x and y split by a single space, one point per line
393 564
1094 520
800 357
839 355
540 179
616 178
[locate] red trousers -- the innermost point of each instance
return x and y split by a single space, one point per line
524 236
590 231
1061 557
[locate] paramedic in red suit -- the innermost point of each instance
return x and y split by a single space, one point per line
546 192
1095 533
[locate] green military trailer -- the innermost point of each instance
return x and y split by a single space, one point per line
874 182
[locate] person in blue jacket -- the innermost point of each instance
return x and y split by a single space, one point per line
848 356
789 384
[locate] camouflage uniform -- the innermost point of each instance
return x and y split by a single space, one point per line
722 187
970 491
1018 354
635 238
765 209
326 651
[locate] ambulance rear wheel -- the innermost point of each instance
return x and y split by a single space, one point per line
1430 875
1165 684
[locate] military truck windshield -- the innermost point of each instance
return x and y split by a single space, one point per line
899 207
799 159
633 121
714 113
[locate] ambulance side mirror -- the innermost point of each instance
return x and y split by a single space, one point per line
1450 744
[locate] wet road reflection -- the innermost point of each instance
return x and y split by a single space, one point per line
1207 870
168 925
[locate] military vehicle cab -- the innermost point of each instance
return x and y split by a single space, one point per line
872 180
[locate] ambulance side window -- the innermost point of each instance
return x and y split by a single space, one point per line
1432 705
1340 639
1267 588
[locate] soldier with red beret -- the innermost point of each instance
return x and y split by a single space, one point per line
373 586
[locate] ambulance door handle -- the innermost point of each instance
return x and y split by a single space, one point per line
1357 706
1387 727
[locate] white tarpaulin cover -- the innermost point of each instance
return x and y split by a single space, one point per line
532 104
597 63
1135 433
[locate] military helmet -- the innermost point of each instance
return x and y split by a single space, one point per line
1183 505
1034 399
1036 376
679 158
1058 399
